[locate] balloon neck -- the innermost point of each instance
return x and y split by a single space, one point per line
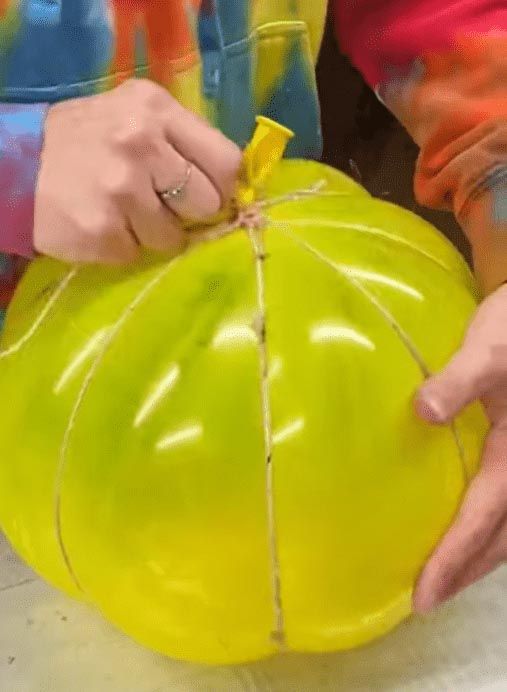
260 158
262 154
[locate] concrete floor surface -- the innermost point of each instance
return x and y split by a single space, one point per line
48 643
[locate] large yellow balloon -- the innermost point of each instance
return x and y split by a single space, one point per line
220 451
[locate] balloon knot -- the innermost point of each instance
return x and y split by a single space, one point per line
251 218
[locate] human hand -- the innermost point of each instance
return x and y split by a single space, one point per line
104 160
477 542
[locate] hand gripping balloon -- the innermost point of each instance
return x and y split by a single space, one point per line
219 451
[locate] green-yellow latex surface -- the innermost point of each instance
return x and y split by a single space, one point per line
220 451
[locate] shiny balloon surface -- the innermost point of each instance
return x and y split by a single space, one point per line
220 451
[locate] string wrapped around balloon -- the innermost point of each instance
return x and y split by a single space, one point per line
219 451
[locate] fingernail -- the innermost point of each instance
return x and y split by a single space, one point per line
430 409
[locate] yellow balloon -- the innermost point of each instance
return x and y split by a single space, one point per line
220 451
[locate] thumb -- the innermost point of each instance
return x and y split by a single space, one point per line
444 395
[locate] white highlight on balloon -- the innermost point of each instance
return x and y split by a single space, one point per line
89 349
180 437
161 390
156 568
234 334
374 277
275 367
325 333
288 431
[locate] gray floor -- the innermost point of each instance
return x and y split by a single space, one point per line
51 644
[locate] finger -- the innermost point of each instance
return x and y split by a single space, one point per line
113 245
207 147
444 395
199 199
130 191
480 516
89 236
486 562
154 225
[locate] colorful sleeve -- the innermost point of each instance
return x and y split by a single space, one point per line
441 67
21 131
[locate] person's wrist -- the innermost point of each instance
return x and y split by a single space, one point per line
484 220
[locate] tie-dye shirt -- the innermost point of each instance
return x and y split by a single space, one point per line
440 65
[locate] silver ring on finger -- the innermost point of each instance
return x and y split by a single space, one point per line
177 191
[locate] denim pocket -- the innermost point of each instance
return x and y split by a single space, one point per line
269 73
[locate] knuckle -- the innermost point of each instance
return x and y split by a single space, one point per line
133 136
121 184
97 228
149 95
